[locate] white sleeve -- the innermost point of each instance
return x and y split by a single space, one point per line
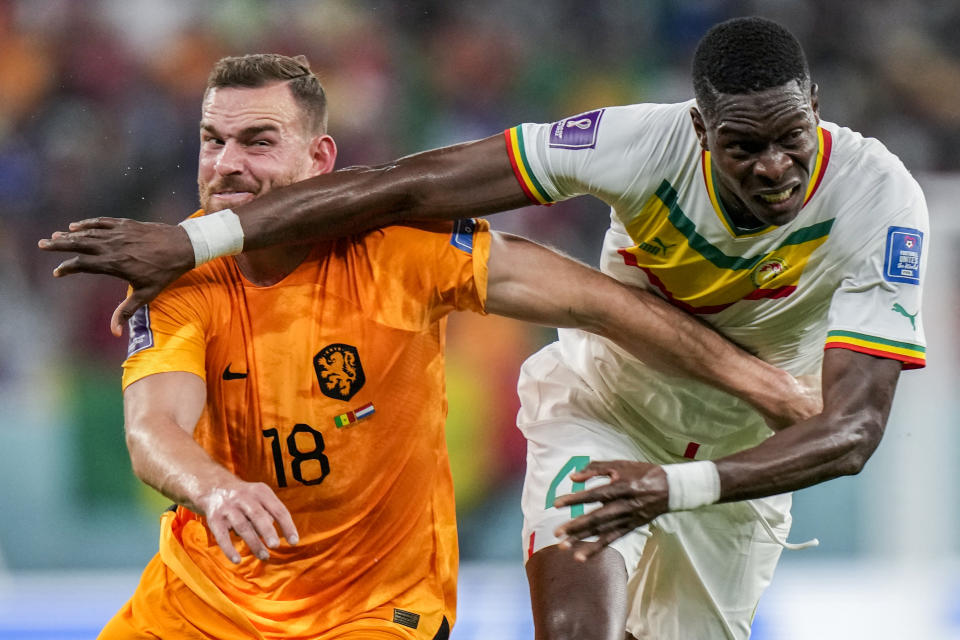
876 309
604 152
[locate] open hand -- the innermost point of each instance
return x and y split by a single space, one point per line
251 510
635 495
148 255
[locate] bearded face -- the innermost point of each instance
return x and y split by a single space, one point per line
252 140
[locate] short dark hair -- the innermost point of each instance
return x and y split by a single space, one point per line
260 69
745 55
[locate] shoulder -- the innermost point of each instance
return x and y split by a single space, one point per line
421 235
868 177
646 121
854 154
600 127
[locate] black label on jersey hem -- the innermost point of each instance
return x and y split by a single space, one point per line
406 618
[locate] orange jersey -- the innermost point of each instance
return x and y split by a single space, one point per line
329 387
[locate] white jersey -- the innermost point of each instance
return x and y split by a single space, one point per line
845 273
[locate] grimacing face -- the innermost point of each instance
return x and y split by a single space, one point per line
763 146
253 140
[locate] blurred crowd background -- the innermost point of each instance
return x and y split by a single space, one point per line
99 105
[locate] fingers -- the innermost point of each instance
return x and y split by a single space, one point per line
604 493
282 517
605 525
117 319
89 241
601 520
583 550
83 264
253 512
264 515
610 468
242 525
221 533
125 310
586 473
94 223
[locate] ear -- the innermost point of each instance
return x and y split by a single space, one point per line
700 127
815 99
323 154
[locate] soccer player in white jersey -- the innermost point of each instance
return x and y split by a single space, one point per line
797 238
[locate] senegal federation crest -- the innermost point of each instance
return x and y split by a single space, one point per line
767 270
339 371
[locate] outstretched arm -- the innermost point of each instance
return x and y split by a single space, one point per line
857 393
161 412
468 179
530 282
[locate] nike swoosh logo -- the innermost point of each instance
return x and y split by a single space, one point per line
232 375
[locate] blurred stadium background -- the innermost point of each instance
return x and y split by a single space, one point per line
99 103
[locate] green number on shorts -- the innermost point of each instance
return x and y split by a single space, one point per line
576 463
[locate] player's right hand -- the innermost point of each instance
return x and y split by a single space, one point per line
253 512
148 255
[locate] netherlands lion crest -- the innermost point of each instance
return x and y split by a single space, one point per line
339 371
767 271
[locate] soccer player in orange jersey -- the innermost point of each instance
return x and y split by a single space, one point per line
291 400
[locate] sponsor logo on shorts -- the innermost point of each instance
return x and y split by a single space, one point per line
339 371
577 132
141 335
406 618
901 260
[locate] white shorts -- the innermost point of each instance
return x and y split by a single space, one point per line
693 574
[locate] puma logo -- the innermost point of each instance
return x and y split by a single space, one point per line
657 247
663 246
912 317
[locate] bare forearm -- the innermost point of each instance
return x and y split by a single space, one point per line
530 282
858 392
161 412
797 457
167 458
673 341
464 180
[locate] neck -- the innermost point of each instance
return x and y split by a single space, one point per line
738 214
265 267
742 220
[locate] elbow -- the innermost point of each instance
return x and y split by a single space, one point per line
137 448
860 438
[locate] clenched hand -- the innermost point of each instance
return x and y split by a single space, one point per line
148 255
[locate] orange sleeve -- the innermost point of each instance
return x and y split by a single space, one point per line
462 266
169 333
444 261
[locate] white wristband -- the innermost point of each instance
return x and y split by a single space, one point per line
214 235
692 484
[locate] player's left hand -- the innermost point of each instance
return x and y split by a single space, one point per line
635 495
